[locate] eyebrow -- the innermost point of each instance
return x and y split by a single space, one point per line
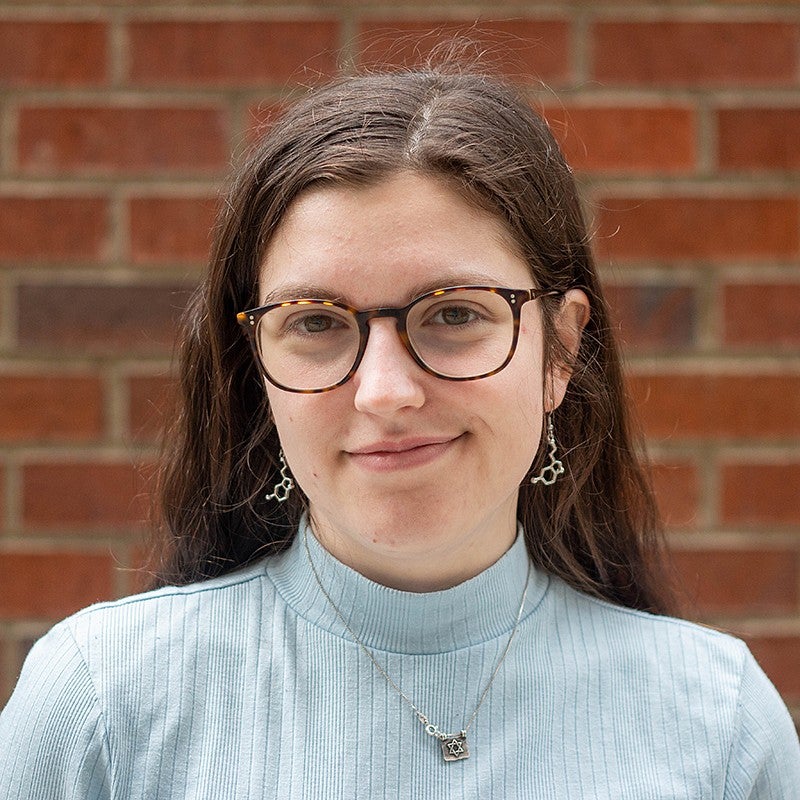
309 291
300 291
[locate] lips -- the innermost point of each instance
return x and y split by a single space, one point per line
388 455
400 446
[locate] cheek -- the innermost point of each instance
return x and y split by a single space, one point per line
288 416
298 435
527 390
529 383
530 419
512 409
304 422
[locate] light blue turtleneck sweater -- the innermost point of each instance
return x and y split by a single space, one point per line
249 687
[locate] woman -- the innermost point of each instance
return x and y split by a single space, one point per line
413 553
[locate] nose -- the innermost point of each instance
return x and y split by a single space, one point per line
387 379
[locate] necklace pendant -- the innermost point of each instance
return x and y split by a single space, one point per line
455 748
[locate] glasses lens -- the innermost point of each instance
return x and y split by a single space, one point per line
307 345
462 333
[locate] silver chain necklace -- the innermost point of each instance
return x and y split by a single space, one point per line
454 745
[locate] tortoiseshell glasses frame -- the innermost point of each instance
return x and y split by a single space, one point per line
516 298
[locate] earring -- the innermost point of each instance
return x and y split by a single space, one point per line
281 490
550 472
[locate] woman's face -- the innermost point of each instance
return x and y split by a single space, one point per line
411 479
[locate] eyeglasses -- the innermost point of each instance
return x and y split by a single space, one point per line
460 333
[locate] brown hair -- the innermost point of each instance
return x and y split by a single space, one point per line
596 527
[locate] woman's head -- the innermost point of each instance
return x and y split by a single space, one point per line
480 144
411 475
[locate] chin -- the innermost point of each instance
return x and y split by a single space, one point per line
413 530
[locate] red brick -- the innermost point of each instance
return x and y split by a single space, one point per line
740 581
747 407
40 53
762 314
231 52
8 672
695 53
654 316
142 319
167 230
779 657
88 496
123 140
698 228
50 408
536 48
677 491
2 498
759 138
58 229
52 585
621 139
761 494
149 399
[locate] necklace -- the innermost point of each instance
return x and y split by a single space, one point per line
454 745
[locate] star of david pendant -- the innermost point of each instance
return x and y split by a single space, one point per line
455 748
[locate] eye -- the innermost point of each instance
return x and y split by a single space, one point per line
316 323
309 323
454 315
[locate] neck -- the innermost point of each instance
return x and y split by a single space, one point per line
383 618
423 568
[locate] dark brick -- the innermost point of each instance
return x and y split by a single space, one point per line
231 52
740 581
123 140
654 316
695 53
100 318
66 53
53 229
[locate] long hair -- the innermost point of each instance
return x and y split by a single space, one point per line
596 527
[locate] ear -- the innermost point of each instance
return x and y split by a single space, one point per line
570 321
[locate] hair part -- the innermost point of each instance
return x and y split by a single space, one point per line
597 527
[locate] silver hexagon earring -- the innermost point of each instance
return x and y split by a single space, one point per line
281 490
550 472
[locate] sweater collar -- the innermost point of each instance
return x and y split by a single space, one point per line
470 613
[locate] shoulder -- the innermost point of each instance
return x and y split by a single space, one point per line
53 740
701 684
112 669
670 645
765 754
146 639
163 620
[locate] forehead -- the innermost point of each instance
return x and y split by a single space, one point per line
385 243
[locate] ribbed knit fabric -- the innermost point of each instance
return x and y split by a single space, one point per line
249 687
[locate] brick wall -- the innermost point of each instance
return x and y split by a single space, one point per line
116 127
